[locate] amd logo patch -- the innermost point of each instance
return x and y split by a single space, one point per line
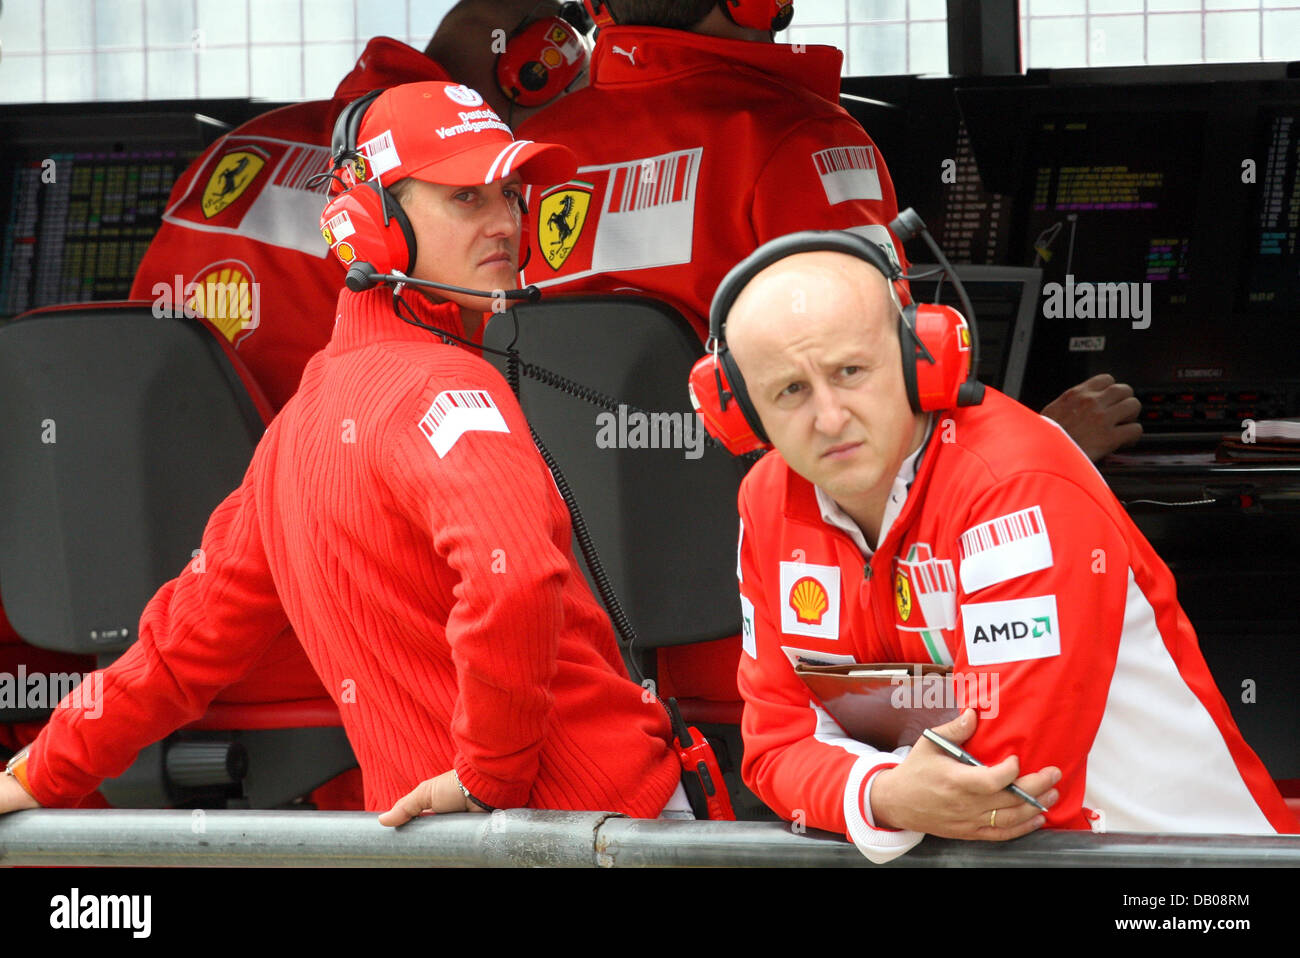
1012 631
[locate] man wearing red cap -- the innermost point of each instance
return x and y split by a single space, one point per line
240 226
397 516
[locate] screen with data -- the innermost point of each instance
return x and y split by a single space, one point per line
1272 272
78 223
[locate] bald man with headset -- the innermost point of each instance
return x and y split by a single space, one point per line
910 515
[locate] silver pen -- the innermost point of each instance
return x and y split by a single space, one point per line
966 758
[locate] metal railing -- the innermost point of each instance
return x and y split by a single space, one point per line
522 837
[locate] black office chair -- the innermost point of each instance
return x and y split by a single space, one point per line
662 520
120 432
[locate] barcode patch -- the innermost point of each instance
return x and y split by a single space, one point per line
655 181
1002 530
647 212
848 173
382 153
340 226
1004 548
839 158
300 164
455 412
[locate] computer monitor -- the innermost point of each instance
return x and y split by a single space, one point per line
1166 255
82 192
1005 300
917 124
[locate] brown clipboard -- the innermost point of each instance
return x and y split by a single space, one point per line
885 711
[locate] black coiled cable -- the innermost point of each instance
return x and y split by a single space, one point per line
617 615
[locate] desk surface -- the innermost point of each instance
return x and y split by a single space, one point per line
1185 477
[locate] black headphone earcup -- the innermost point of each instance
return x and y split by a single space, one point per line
347 127
907 347
404 224
740 392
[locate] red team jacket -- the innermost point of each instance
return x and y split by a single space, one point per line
241 223
692 152
397 515
1009 558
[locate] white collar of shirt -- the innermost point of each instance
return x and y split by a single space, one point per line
833 515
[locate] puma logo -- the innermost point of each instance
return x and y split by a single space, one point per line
631 56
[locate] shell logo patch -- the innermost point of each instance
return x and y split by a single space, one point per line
226 295
808 599
560 217
233 173
811 603
903 596
345 252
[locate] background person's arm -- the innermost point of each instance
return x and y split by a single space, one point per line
1099 414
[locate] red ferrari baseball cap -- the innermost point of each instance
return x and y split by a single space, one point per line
445 133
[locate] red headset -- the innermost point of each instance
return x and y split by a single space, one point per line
544 58
363 222
937 368
770 15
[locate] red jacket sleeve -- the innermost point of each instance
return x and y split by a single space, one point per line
498 529
1041 601
797 758
827 175
201 631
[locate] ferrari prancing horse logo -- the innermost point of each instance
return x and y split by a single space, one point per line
903 596
228 181
560 219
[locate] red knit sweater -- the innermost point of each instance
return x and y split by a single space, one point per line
427 571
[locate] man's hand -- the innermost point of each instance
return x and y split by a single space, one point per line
13 797
931 792
440 794
1099 415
